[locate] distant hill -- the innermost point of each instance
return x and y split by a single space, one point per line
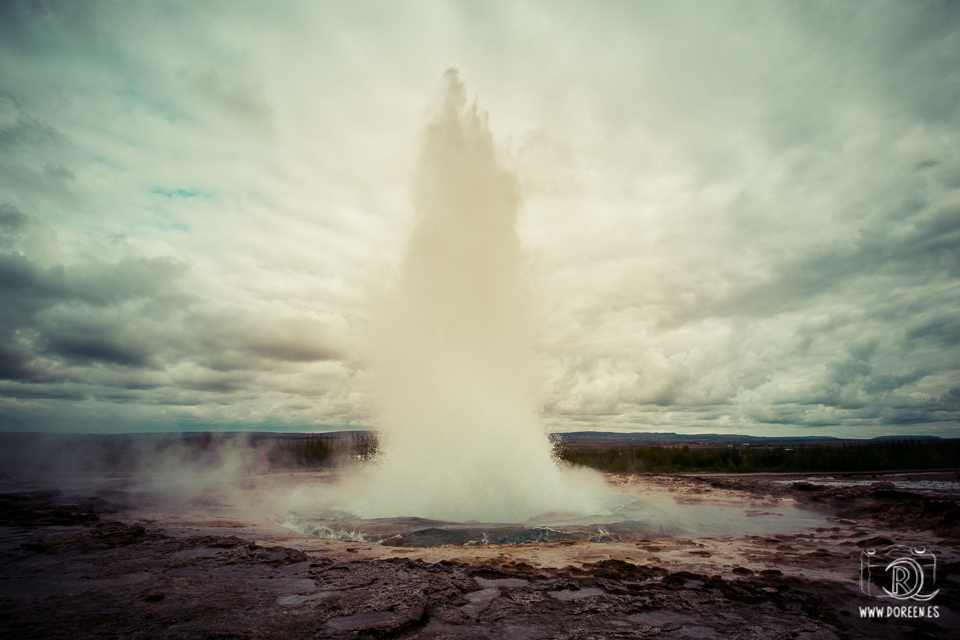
609 438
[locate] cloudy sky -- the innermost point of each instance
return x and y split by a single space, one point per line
740 217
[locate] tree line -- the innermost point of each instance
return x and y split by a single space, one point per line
320 451
875 456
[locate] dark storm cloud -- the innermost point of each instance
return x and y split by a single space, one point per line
922 250
950 400
25 290
76 313
944 329
86 347
246 341
126 332
39 392
42 313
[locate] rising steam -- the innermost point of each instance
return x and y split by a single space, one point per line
457 382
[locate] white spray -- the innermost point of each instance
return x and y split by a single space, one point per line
457 382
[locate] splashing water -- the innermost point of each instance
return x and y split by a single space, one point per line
457 382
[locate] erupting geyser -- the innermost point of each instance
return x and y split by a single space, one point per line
457 381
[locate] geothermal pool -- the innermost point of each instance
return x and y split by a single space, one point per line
634 510
633 513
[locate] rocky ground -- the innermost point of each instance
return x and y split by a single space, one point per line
95 567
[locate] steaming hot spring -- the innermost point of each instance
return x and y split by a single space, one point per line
464 459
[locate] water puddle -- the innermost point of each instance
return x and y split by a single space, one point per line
916 482
479 600
505 583
297 600
662 618
587 592
359 621
289 586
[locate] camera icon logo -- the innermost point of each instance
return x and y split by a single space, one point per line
899 572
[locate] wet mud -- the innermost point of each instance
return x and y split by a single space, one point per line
96 567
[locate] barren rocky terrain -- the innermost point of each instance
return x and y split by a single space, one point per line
111 566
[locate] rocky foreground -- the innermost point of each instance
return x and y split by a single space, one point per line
88 568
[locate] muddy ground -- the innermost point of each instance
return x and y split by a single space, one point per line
110 566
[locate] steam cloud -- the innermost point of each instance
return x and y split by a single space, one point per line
455 368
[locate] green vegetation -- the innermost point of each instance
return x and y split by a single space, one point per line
320 451
879 456
364 445
312 452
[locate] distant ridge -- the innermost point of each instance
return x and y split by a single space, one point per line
612 438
